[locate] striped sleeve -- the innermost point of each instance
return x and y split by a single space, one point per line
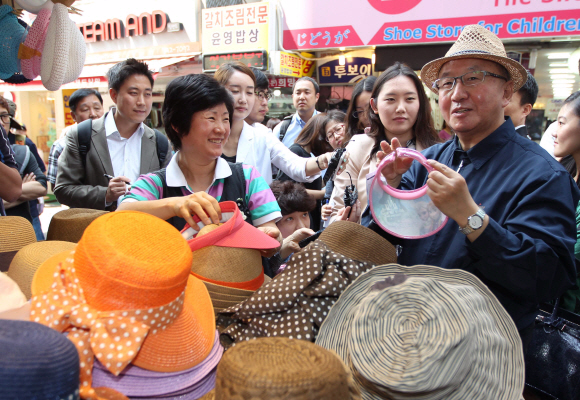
147 187
259 197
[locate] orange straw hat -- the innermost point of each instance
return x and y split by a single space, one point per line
127 297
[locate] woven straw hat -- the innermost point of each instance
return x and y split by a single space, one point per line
428 332
64 51
69 225
280 368
15 233
119 270
11 296
37 362
476 41
29 258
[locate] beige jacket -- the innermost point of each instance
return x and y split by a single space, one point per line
360 164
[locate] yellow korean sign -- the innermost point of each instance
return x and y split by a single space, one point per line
235 28
292 65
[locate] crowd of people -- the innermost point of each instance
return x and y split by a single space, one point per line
512 207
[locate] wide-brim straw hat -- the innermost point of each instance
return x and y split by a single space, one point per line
29 258
136 382
425 332
37 362
69 225
15 233
475 41
64 52
281 368
121 270
11 297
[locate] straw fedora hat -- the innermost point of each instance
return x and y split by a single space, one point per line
15 233
69 225
29 258
281 368
475 41
425 332
159 315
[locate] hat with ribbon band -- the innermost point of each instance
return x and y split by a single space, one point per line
123 298
425 332
475 41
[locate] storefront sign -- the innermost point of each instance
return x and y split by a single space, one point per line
281 82
355 69
329 23
68 119
238 28
293 65
114 28
256 59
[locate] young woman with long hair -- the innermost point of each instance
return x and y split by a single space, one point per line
399 108
358 109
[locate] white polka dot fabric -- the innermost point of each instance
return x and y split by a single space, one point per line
296 302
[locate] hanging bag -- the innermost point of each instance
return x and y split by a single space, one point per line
408 214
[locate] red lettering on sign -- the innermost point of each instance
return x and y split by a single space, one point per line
159 21
113 29
131 25
99 31
145 23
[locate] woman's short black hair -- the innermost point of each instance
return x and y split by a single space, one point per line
187 95
292 197
123 70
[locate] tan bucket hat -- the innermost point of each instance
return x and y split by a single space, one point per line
15 233
476 41
69 225
29 258
425 332
281 368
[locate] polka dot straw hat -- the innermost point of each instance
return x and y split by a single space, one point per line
476 41
425 332
124 298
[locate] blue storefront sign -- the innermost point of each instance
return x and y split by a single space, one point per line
355 68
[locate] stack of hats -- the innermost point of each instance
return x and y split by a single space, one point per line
226 257
296 302
29 258
126 299
69 225
425 332
283 369
53 47
15 233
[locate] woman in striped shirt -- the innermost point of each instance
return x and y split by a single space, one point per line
197 116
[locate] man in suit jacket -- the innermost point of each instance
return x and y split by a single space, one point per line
521 105
121 145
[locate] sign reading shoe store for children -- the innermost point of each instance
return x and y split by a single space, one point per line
235 28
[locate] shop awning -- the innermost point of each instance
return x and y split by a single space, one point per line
155 65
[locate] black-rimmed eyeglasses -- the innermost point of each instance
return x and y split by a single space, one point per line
5 118
264 95
474 78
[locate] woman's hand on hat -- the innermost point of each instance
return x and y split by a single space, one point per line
291 243
351 214
270 229
201 204
394 171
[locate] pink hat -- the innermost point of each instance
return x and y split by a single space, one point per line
234 232
31 50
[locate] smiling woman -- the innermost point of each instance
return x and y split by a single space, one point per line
197 115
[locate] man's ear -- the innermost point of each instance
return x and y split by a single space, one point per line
317 97
374 106
113 93
527 109
74 117
508 92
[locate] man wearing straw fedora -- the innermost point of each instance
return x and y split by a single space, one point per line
497 188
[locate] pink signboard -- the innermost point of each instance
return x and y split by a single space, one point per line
319 24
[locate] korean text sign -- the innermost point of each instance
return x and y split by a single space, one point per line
235 28
292 65
353 70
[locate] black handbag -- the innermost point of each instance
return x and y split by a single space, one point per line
553 354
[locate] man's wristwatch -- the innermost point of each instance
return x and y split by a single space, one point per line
474 222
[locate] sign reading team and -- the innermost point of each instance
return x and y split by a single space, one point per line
133 25
329 23
235 28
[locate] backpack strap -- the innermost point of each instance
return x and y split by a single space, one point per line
284 127
25 162
162 146
84 130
